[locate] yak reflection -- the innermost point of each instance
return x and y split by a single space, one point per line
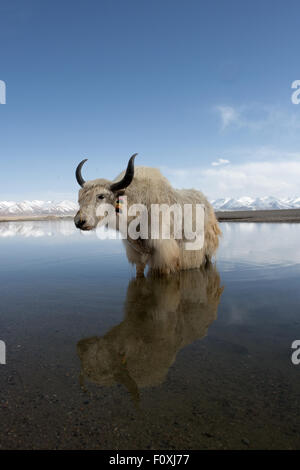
162 316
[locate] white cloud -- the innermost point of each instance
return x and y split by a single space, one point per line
220 161
278 177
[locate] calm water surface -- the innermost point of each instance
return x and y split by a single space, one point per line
97 359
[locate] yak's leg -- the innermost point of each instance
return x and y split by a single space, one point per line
140 268
166 257
134 257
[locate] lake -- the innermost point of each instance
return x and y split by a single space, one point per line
97 359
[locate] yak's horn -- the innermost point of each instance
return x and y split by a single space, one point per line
79 178
128 177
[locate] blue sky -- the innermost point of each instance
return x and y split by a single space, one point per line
201 89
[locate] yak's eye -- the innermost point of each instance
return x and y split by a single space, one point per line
100 196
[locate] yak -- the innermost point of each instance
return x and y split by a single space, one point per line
147 186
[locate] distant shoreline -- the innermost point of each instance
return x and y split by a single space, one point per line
269 216
25 218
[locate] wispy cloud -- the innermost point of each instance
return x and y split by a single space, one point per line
220 161
228 115
257 117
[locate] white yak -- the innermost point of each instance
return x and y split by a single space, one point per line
147 186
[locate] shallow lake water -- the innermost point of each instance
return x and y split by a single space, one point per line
97 359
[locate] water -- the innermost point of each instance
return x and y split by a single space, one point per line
97 359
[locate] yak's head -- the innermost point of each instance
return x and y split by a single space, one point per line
96 192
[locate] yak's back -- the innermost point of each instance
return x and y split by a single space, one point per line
146 174
149 186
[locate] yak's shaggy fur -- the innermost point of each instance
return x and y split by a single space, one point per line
148 187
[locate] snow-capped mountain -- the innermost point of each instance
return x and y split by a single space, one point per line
253 204
69 208
36 208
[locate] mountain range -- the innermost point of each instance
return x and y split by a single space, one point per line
69 208
36 208
253 204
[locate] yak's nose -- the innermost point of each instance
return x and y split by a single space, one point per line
79 222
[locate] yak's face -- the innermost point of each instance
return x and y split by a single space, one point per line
91 197
96 193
